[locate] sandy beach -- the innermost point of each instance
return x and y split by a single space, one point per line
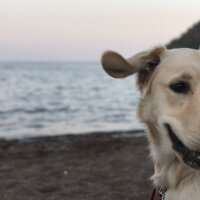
114 166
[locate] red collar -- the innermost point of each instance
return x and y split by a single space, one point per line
153 194
160 192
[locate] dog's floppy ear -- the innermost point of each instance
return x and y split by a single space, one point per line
144 63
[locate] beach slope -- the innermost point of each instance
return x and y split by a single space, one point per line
83 167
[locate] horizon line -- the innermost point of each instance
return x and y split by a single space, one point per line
72 61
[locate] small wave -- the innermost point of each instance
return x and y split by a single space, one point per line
36 126
121 117
35 110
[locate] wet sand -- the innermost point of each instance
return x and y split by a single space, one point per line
114 166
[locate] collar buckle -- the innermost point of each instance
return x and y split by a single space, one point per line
161 192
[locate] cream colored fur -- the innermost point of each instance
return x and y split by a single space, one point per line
157 69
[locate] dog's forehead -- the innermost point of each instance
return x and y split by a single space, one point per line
178 61
181 57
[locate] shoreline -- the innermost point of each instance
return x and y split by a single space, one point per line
89 167
112 133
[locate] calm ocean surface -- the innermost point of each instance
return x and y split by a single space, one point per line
42 99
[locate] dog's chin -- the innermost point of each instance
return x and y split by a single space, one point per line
189 157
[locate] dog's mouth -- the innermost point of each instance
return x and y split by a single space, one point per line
191 158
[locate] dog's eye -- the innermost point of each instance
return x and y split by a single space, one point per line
180 87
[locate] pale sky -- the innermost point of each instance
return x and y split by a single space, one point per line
79 30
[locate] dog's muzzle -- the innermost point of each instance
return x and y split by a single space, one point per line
191 158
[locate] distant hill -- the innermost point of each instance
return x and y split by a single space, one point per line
190 39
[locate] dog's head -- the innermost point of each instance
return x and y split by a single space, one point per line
169 82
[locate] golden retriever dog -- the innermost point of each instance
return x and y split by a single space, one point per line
169 83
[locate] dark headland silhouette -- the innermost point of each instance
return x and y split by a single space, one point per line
189 39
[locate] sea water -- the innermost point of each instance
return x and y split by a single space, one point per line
54 98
